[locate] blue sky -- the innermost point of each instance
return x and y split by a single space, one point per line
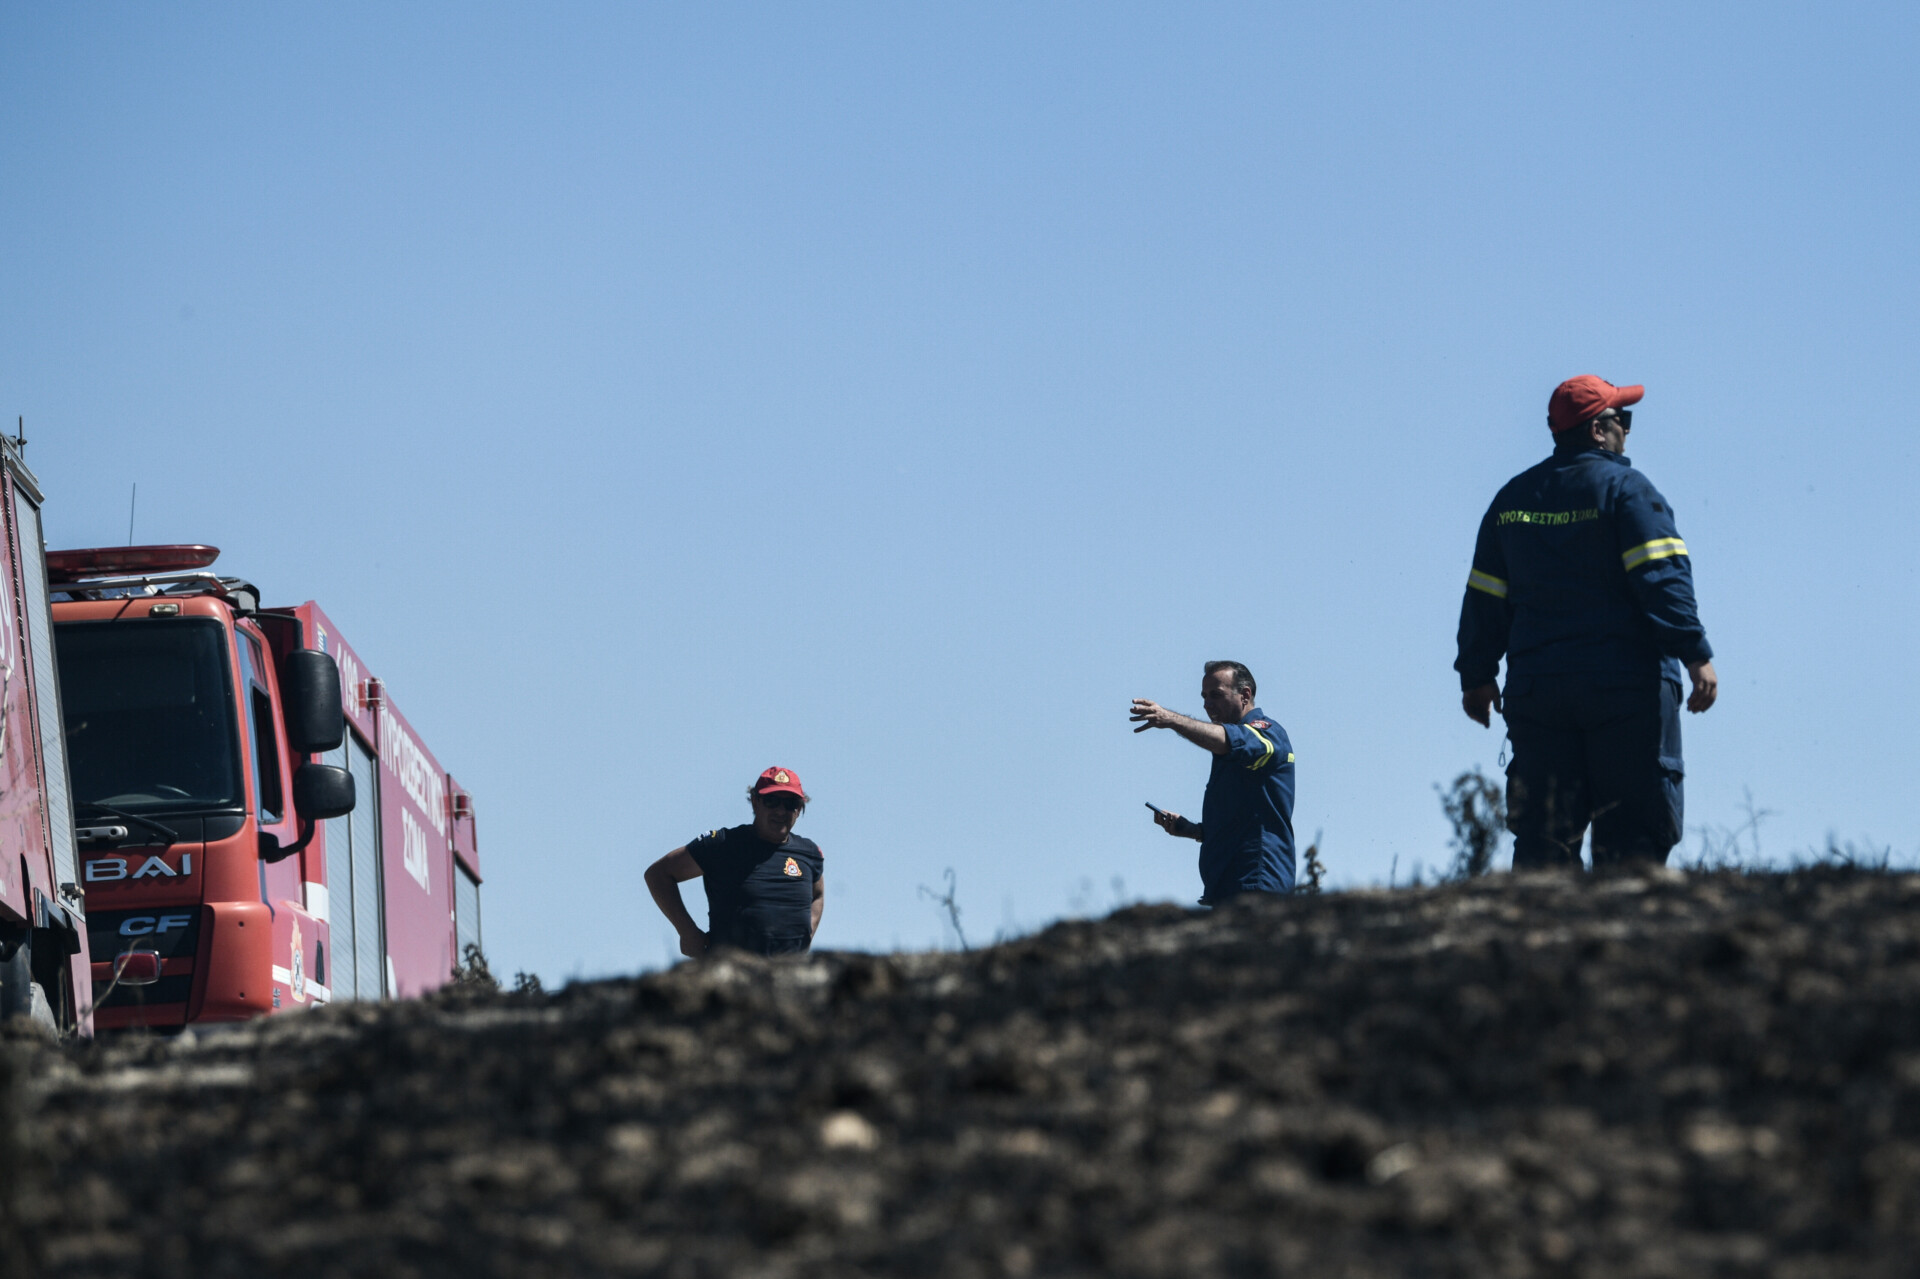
653 394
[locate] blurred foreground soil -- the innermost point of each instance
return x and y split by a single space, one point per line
1658 1075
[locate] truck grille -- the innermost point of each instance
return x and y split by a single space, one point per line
172 931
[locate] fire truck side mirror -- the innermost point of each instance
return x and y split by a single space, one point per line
310 688
321 791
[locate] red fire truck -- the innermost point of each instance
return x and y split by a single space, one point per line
43 936
259 828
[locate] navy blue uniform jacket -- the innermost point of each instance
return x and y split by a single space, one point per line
1579 570
1246 821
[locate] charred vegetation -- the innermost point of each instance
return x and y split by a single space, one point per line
1650 1074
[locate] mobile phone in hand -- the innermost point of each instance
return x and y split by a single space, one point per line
1158 810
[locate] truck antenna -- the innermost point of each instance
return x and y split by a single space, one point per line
130 505
20 440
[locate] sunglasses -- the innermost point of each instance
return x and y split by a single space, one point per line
1623 416
784 803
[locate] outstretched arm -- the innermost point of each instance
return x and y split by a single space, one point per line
1207 736
664 878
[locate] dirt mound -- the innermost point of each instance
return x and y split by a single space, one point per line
1636 1076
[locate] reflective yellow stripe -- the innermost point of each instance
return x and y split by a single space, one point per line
1494 586
1289 757
1659 548
1262 761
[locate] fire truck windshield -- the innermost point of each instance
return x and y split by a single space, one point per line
149 714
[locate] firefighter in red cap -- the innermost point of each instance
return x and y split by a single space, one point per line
1581 581
764 887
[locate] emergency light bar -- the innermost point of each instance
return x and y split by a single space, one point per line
97 561
237 591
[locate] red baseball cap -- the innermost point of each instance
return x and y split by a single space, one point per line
776 780
1580 398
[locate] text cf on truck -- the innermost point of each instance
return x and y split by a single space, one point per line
259 829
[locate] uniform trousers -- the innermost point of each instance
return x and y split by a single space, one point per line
1590 751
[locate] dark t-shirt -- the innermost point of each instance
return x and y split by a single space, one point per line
759 897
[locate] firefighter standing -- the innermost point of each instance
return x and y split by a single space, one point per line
1246 826
1581 580
765 885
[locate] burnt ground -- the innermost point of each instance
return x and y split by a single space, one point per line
1659 1075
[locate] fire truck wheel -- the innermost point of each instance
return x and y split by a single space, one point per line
20 994
16 975
42 1009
